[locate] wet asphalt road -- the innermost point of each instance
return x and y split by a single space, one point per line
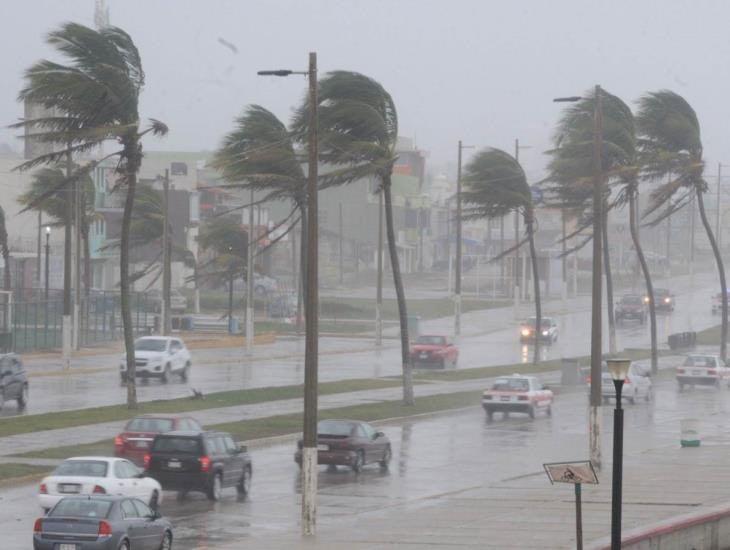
494 341
433 457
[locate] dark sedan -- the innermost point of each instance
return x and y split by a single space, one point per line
663 300
101 523
349 443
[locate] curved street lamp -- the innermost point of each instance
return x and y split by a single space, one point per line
619 368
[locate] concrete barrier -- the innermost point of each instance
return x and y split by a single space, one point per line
706 529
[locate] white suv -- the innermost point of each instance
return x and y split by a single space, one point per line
158 357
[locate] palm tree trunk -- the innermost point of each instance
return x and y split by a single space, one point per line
131 151
302 268
647 280
408 397
530 225
609 282
6 260
720 269
230 299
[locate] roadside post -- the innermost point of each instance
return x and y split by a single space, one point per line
576 473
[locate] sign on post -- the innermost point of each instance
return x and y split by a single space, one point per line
576 473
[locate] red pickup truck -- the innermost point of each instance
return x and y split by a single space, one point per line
434 351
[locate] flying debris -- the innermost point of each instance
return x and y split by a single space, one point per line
228 45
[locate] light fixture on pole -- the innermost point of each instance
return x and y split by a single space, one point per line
457 286
618 368
594 421
309 450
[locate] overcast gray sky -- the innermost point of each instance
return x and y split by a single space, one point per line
483 71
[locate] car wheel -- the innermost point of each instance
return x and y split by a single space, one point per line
23 397
387 455
165 378
216 488
531 412
185 373
490 415
632 399
359 462
166 541
124 545
244 484
549 410
154 500
649 395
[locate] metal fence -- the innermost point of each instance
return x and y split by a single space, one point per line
36 324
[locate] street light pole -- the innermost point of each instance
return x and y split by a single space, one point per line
379 282
309 450
618 369
457 286
594 420
166 271
249 280
48 255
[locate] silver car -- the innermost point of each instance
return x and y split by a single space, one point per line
637 385
101 523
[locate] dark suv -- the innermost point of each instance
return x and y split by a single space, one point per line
186 461
631 307
13 380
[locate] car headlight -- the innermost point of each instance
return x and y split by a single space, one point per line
525 332
646 299
544 332
667 300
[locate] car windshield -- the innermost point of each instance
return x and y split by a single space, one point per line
149 425
186 445
431 340
700 361
150 344
334 427
83 468
511 384
544 323
81 508
632 300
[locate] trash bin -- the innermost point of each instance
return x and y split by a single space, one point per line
233 325
188 323
570 372
414 326
689 429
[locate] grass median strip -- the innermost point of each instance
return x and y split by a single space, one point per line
292 423
83 417
13 470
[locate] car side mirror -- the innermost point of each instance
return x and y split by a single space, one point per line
378 435
154 515
240 449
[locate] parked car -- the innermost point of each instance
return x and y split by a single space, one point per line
178 302
663 300
717 302
349 443
548 330
636 386
135 440
158 357
434 350
632 307
13 380
208 462
283 306
97 475
702 370
517 393
102 523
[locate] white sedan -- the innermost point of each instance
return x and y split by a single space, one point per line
98 475
517 393
158 357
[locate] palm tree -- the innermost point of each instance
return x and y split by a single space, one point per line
259 155
55 206
671 151
358 132
5 251
495 185
96 95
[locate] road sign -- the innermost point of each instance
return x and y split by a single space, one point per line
571 472
536 195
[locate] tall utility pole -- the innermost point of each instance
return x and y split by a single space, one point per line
66 325
457 285
249 280
311 312
342 247
379 284
166 268
718 231
594 414
564 260
38 252
76 335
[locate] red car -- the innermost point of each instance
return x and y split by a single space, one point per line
434 351
135 441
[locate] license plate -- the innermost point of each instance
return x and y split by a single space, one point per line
141 444
69 488
423 355
322 447
174 464
66 546
505 398
696 373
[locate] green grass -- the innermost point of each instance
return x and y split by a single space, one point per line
709 336
10 470
364 308
82 417
257 428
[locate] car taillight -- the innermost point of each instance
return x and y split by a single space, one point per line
627 380
204 463
105 530
38 526
44 489
522 398
711 371
146 461
118 441
99 490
